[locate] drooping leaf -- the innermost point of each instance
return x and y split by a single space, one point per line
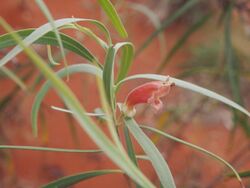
91 34
48 39
42 30
50 56
48 15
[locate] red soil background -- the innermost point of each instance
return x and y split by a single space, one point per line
24 169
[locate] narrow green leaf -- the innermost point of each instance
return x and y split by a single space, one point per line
42 30
153 153
86 123
108 75
76 178
167 22
48 15
109 9
130 149
49 39
91 34
210 154
13 77
50 56
189 86
35 148
129 144
108 71
126 59
193 28
245 174
77 68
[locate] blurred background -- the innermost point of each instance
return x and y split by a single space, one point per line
204 42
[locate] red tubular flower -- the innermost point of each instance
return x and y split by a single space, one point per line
150 93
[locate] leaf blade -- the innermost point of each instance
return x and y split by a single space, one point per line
76 178
109 9
49 39
42 30
48 15
49 149
153 153
108 71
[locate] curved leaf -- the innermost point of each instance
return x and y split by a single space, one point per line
49 38
210 154
153 153
114 17
108 75
84 68
76 178
42 30
91 34
126 59
48 15
108 71
189 86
